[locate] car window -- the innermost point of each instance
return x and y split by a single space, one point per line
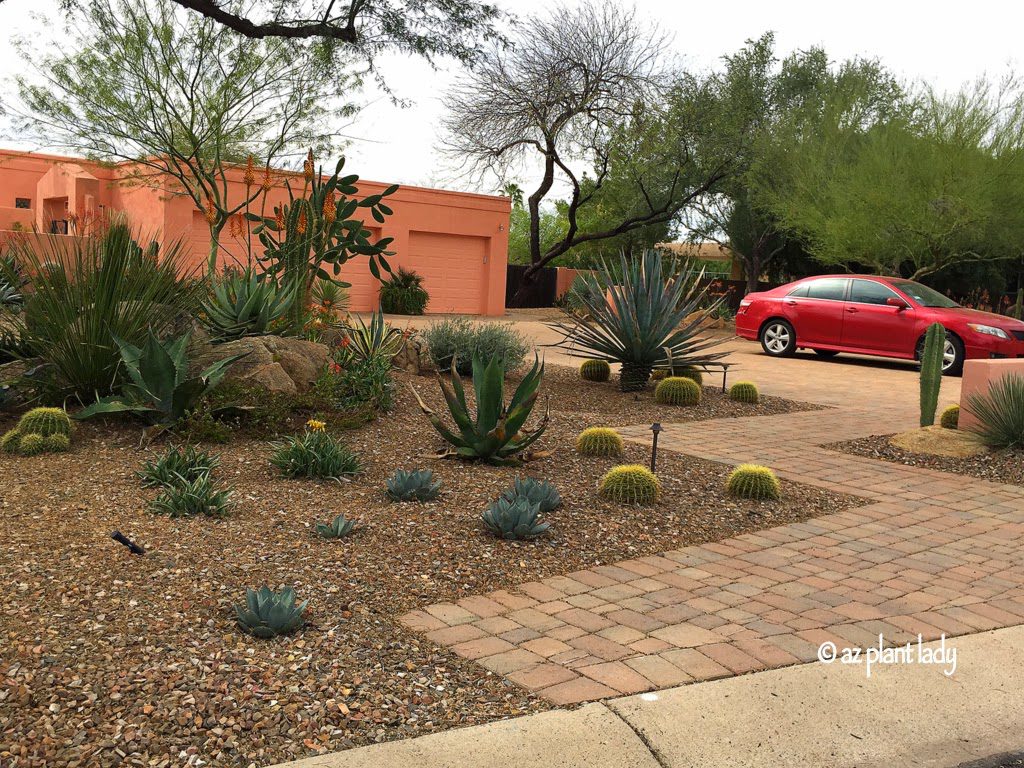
800 290
924 295
870 292
833 288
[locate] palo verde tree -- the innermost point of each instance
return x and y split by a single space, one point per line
941 186
583 87
359 28
182 96
767 104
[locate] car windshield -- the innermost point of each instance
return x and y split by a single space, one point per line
924 295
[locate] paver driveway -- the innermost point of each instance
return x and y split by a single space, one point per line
931 553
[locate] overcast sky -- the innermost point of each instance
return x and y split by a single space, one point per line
944 43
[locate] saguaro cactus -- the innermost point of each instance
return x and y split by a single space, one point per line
931 372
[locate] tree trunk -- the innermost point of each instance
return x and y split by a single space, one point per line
752 266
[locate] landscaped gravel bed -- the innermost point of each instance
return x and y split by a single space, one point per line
997 466
111 659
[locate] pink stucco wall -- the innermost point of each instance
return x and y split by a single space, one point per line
978 376
458 241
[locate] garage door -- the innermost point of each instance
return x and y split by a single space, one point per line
453 269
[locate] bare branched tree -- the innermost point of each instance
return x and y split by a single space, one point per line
581 87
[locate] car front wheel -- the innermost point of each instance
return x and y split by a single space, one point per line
778 338
952 355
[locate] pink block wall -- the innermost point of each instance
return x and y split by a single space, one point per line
978 377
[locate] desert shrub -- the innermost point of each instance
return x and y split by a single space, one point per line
314 454
630 484
950 417
175 465
750 481
460 340
599 441
403 294
1000 413
88 291
676 390
188 498
360 386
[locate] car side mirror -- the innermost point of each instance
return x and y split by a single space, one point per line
900 304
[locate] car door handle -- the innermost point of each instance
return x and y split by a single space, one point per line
852 309
790 302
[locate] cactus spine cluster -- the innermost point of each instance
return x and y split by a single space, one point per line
950 418
41 430
630 484
595 370
599 441
931 372
744 392
676 390
750 481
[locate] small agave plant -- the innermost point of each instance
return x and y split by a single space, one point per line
338 528
267 613
418 485
539 492
514 519
496 433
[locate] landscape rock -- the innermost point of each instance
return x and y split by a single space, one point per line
275 363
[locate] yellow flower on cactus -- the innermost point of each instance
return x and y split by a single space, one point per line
307 166
279 218
301 224
250 171
330 209
267 181
316 426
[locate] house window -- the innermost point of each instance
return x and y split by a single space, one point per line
22 202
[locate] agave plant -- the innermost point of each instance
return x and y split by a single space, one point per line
245 304
418 485
643 321
514 518
999 413
497 434
338 528
160 390
368 342
267 613
539 492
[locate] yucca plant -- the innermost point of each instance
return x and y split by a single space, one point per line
641 324
160 390
330 296
188 498
85 291
267 613
999 413
338 528
176 464
418 485
497 435
539 492
244 304
403 293
514 518
376 340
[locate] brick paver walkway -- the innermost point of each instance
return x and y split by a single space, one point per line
931 553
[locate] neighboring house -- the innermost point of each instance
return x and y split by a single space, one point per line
458 241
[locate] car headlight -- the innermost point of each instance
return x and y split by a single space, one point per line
989 330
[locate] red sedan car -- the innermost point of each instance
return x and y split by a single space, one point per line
868 315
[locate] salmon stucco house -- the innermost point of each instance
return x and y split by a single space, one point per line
457 241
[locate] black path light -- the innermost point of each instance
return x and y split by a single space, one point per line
655 428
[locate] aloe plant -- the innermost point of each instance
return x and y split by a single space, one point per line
642 322
160 390
267 613
244 304
497 434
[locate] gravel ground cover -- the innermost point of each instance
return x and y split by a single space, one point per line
112 659
998 466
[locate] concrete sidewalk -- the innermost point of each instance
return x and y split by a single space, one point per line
811 715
